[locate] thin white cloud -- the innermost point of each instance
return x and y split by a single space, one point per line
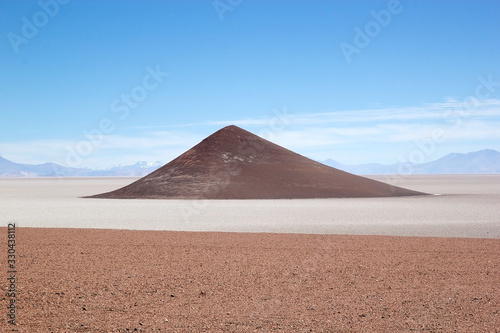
360 131
426 112
104 151
156 139
237 122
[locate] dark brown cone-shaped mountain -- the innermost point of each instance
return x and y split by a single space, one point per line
235 164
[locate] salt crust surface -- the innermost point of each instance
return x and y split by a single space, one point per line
468 206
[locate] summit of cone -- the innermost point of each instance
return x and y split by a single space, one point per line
233 163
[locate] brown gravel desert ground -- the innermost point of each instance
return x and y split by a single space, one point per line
88 280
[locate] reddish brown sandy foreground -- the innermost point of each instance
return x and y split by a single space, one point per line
87 280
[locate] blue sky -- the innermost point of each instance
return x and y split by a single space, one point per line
101 83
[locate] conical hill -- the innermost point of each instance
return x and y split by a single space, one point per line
233 163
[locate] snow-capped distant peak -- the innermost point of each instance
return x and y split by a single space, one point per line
144 164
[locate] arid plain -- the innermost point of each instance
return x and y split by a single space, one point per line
467 206
278 265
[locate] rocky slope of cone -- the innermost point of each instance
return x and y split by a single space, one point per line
233 163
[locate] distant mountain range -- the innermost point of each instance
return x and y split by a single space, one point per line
481 162
11 169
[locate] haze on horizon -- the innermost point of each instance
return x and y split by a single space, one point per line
121 82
